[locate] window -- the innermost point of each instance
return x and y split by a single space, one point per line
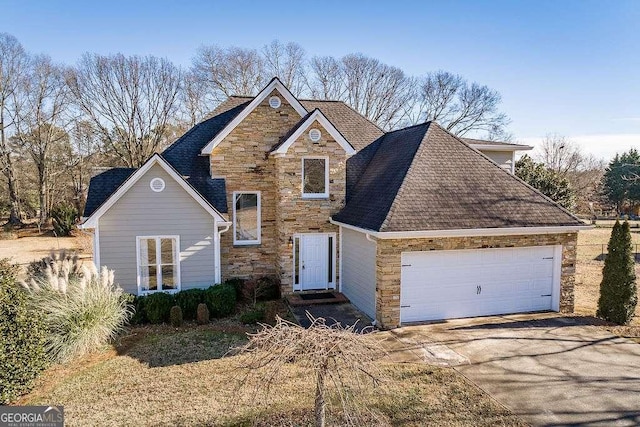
315 177
246 218
158 263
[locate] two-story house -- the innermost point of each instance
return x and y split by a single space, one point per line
410 225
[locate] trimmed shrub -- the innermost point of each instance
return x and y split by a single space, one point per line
253 316
22 338
188 301
137 304
157 307
237 285
202 316
271 310
175 316
63 218
220 300
618 292
81 313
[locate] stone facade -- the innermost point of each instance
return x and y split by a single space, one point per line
243 159
388 265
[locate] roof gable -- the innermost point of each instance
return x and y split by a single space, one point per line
438 182
304 124
274 84
156 159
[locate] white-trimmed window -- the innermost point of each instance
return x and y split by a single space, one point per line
158 263
246 218
315 177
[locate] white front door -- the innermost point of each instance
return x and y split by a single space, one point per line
315 261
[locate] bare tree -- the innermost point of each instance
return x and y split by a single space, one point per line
13 67
230 71
326 80
130 100
335 354
288 63
194 99
85 146
41 120
461 107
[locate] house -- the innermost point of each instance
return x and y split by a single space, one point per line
411 225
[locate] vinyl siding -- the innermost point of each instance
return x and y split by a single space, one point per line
359 271
502 158
142 212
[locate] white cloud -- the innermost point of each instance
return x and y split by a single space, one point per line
603 146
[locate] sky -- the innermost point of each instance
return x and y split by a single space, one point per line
565 66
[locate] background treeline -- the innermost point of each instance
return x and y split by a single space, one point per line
58 122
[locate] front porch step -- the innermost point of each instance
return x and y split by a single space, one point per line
315 298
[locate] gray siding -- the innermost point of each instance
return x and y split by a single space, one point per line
142 212
359 271
502 158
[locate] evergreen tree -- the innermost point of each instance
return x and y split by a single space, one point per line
618 293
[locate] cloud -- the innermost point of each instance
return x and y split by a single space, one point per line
603 146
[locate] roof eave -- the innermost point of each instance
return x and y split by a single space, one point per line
502 147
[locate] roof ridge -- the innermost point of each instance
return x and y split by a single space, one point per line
511 175
402 187
409 127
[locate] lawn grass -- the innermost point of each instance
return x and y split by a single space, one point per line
589 275
166 376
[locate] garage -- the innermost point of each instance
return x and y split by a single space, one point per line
444 284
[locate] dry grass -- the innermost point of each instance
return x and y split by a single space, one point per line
589 276
164 376
31 246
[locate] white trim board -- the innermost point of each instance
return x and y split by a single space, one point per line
504 147
92 220
276 84
471 232
326 124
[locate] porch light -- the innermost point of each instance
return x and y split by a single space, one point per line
290 242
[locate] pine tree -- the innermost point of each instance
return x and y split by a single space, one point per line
618 293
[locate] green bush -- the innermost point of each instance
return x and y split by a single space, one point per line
22 338
618 293
202 316
237 285
157 307
220 300
253 316
81 312
137 306
188 301
175 316
63 218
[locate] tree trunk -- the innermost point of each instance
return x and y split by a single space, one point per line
42 196
14 214
320 404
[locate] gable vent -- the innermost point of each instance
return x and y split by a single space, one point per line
314 135
275 102
157 184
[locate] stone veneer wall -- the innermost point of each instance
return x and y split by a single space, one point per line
242 159
388 265
297 215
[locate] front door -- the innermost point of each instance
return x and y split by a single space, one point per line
315 264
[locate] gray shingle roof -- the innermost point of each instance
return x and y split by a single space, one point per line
424 178
103 185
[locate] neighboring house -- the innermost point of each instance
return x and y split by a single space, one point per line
410 225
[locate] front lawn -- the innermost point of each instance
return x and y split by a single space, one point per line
165 376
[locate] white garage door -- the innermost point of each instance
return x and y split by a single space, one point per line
465 283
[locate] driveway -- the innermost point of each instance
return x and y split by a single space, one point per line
549 369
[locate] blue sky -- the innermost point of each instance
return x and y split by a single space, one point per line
569 67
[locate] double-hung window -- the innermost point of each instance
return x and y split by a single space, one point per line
315 177
158 263
246 218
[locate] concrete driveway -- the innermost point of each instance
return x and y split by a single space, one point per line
549 369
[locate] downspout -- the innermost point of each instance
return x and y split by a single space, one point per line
217 266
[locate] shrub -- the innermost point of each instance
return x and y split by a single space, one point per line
237 285
618 293
64 260
271 310
203 314
136 303
22 338
253 316
63 218
81 312
220 300
157 307
262 289
188 301
175 316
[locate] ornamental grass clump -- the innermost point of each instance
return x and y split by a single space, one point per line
81 307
